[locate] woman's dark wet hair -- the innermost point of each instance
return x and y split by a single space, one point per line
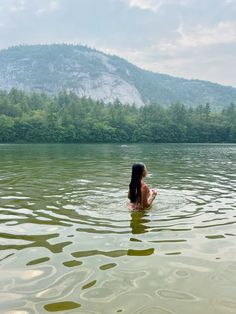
135 183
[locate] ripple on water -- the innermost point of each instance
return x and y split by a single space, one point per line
72 263
227 304
99 294
14 197
108 266
38 261
177 295
114 253
9 297
64 284
89 285
61 306
182 273
129 302
154 310
217 236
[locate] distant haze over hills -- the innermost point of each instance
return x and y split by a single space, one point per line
88 72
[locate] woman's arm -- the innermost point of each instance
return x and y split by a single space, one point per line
146 199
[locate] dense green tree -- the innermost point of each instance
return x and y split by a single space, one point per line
6 128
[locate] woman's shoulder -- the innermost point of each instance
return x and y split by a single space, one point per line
144 187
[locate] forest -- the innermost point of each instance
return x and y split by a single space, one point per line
67 118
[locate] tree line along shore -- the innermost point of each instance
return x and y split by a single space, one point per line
67 118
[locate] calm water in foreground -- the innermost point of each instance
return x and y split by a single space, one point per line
69 243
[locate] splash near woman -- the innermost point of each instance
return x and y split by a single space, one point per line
141 197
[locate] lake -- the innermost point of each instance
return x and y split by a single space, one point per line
69 243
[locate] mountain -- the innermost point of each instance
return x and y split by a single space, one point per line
88 72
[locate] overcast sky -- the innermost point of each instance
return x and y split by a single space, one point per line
185 38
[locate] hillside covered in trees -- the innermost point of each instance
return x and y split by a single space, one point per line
67 118
91 73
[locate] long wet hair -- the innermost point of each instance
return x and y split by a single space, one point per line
135 183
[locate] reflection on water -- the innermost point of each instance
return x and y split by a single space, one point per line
70 244
139 222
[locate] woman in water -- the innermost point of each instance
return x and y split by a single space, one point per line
141 197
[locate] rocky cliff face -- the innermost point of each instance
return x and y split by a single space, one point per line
87 72
108 87
55 68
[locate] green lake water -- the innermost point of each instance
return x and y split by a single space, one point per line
70 244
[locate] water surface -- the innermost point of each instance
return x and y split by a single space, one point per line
69 243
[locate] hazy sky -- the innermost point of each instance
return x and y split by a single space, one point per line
186 38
